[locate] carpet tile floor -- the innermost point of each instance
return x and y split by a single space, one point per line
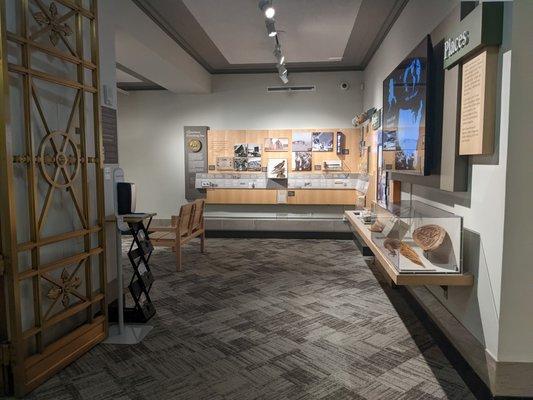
268 319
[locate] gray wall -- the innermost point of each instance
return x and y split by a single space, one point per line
516 322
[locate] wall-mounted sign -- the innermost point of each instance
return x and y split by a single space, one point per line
478 99
452 46
482 27
195 159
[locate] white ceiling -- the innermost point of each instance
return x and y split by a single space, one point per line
315 30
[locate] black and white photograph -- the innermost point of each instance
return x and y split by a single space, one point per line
389 140
276 144
240 163
322 141
240 150
302 141
302 161
254 163
254 150
277 168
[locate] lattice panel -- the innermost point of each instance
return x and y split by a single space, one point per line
54 193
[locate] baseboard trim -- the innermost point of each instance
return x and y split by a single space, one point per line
279 235
486 377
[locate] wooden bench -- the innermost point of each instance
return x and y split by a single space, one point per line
184 227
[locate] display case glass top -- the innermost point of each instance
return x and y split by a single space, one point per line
418 238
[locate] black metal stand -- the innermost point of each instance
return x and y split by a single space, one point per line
142 279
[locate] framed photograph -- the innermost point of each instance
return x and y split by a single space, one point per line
389 140
322 141
254 150
277 168
240 150
254 163
302 161
225 163
240 163
302 141
276 144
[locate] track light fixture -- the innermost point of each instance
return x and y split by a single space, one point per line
282 71
280 58
271 28
266 7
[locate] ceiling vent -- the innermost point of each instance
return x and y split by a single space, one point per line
278 89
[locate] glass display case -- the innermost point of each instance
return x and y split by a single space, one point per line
418 238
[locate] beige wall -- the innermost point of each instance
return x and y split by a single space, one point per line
151 123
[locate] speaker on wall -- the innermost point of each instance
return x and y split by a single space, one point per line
126 198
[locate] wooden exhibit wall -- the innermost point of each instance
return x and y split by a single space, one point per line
221 144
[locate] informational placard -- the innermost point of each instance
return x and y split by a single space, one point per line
476 133
195 144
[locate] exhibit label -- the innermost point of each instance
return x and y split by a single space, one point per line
477 105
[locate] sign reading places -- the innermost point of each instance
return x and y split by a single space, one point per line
476 133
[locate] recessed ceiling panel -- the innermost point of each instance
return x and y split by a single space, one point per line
311 30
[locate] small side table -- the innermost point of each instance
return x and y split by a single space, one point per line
140 283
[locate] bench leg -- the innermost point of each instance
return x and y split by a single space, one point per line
202 242
178 257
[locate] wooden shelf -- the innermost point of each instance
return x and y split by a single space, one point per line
391 271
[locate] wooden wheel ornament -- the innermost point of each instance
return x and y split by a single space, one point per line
61 160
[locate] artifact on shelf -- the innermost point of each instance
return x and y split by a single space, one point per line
408 252
429 237
392 245
377 226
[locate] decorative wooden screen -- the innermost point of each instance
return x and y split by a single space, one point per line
51 189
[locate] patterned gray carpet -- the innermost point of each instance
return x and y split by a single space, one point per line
268 319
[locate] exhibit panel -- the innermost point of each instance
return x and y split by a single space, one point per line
291 166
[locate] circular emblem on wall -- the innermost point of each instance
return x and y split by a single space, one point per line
195 145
